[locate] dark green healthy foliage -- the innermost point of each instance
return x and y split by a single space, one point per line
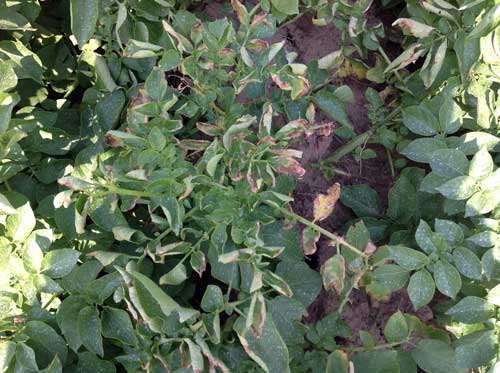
148 165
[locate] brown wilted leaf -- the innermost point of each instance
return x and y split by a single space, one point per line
325 203
292 167
280 83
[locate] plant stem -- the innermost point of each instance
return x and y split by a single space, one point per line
294 19
128 192
317 228
351 288
388 60
54 296
391 164
378 347
348 147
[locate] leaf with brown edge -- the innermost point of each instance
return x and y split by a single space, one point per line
256 316
300 87
333 273
198 261
241 11
412 27
325 203
285 86
291 167
309 239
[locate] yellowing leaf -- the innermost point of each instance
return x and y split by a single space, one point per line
325 203
309 239
333 273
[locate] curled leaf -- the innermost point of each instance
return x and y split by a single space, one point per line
325 203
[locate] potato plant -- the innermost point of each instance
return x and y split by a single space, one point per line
150 156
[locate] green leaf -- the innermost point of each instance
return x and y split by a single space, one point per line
362 199
367 339
408 258
391 276
433 63
89 329
448 280
472 310
376 362
104 212
88 362
419 120
458 188
402 200
481 203
156 85
488 22
11 20
332 106
484 239
59 263
421 288
450 230
471 142
25 356
304 282
5 206
288 7
116 324
20 225
467 263
175 276
196 356
33 254
431 182
450 115
338 362
46 342
419 150
81 276
449 162
102 288
286 313
7 103
170 60
8 78
481 164
7 351
164 301
434 356
396 328
213 299
26 64
268 350
67 320
492 181
84 16
494 296
476 349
